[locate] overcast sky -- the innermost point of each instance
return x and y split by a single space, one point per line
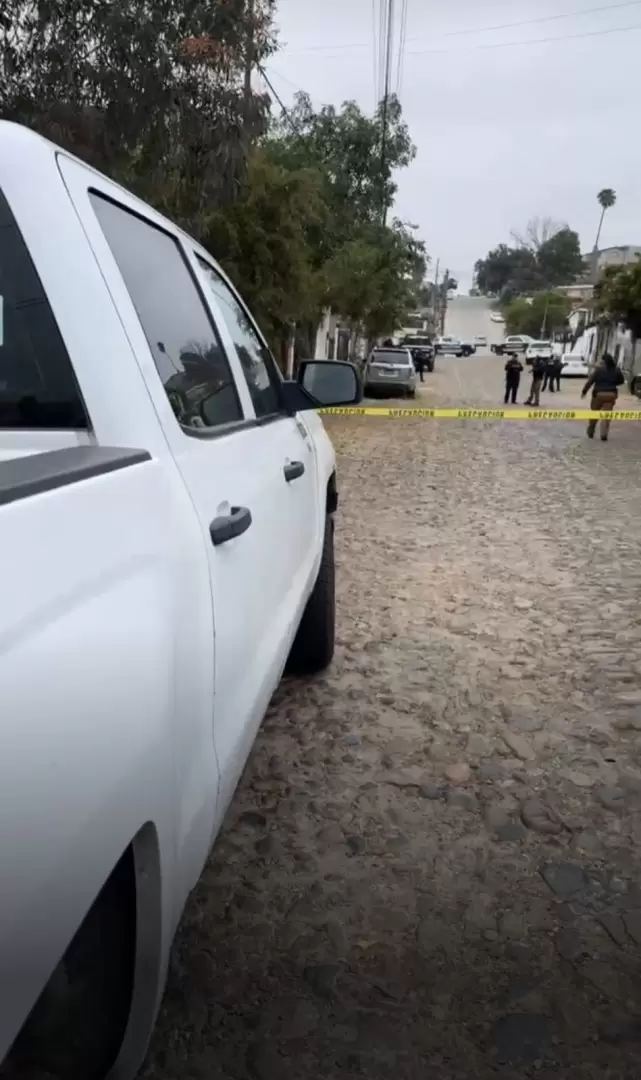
504 132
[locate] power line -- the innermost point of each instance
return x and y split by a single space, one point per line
285 78
285 110
375 52
488 29
389 44
382 37
531 41
546 18
401 48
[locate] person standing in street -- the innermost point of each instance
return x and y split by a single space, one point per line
513 369
557 368
549 374
538 371
604 382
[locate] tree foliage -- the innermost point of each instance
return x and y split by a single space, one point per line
618 296
152 93
371 279
528 315
149 91
549 255
606 198
506 269
345 145
262 242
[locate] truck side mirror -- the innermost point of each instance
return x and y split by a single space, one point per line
330 382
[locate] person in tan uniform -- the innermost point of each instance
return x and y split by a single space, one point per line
604 382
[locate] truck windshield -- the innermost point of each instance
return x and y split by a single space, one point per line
38 389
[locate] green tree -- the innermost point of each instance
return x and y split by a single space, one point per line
559 258
506 268
527 315
345 145
372 274
553 257
371 278
261 241
618 296
150 91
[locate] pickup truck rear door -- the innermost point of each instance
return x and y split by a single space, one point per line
251 479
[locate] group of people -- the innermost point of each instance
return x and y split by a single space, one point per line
546 375
604 382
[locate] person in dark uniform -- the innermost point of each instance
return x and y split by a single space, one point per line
513 369
538 371
556 372
604 382
548 374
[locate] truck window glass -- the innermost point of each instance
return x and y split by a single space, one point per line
38 388
258 367
187 353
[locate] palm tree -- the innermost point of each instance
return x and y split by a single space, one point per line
606 198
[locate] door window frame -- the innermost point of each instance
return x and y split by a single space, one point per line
199 255
163 225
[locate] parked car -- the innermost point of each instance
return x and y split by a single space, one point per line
390 371
420 348
574 366
480 341
453 346
517 343
543 350
167 506
496 316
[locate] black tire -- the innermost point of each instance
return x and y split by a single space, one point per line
411 393
313 648
76 1027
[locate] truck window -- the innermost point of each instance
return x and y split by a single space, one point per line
183 341
38 388
258 366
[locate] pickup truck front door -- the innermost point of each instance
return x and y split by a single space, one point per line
275 457
243 482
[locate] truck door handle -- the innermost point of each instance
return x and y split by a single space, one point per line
293 470
227 526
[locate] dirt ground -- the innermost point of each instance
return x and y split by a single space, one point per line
432 865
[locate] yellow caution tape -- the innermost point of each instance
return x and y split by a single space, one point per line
483 414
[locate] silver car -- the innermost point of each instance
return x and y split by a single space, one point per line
390 371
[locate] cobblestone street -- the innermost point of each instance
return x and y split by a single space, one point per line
432 866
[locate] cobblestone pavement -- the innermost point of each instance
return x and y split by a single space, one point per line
432 865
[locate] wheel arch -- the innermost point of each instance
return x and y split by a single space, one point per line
150 964
331 495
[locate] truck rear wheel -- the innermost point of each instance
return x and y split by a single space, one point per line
75 1029
313 647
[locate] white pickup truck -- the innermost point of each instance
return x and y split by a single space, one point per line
166 545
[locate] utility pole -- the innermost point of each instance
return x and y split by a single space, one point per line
444 304
435 296
389 28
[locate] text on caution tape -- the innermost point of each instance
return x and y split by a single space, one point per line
482 414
